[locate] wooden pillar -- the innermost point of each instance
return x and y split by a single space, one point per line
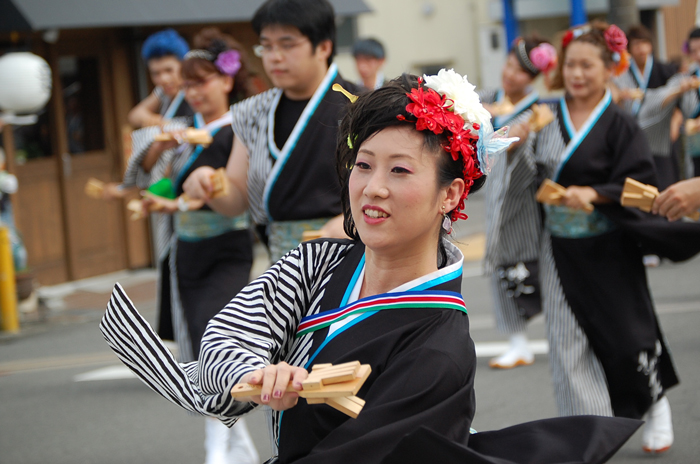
137 235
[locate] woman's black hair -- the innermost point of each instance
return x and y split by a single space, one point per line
315 19
531 41
378 110
694 34
214 41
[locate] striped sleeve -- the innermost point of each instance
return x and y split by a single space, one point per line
655 119
690 104
487 96
137 345
513 227
250 121
625 81
141 141
258 327
255 329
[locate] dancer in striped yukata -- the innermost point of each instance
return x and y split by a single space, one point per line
513 228
401 191
637 87
607 353
210 254
690 103
165 106
286 136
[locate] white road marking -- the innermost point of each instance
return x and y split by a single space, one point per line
488 350
106 373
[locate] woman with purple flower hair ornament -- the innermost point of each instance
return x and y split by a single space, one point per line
408 155
606 349
512 230
210 255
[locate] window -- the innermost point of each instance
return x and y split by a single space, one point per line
82 103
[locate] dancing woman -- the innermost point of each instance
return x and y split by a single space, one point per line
210 254
513 228
408 154
607 353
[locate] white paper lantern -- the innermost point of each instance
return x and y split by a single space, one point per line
25 83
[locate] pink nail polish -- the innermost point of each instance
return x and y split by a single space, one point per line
265 398
277 394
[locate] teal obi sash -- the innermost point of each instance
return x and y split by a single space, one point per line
565 222
192 226
286 235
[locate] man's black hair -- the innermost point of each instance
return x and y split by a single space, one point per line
315 19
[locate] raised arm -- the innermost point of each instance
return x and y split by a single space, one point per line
199 186
145 113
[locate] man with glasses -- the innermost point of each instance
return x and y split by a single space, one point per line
283 162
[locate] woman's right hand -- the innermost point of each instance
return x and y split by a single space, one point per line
274 380
522 131
198 185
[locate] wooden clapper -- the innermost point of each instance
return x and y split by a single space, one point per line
541 116
335 386
220 187
190 135
550 193
94 188
642 196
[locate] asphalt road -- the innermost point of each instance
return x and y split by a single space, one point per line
51 413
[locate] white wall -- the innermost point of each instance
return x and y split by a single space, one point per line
418 33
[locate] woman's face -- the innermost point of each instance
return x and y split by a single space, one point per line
394 195
208 94
584 71
165 73
694 49
514 79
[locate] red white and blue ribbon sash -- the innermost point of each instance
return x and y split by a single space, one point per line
434 299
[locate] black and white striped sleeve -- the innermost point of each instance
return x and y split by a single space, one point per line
690 104
255 329
622 82
141 141
258 326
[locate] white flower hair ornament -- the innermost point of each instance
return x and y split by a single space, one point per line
466 103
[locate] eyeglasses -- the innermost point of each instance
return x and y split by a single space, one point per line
198 84
283 48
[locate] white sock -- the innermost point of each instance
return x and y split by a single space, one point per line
215 441
519 341
241 447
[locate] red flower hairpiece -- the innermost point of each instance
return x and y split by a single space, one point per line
566 40
433 112
616 39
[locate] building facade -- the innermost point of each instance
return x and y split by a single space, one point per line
93 51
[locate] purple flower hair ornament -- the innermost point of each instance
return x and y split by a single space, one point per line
228 62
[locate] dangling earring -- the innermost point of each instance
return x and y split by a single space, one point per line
446 221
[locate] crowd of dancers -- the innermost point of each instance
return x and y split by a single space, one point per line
382 189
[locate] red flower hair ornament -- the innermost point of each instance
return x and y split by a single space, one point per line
615 39
448 103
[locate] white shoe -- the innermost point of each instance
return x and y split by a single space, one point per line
658 430
518 354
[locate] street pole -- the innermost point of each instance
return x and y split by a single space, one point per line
8 289
578 13
624 13
510 22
